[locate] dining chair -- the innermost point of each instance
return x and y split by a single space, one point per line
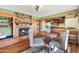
60 47
36 44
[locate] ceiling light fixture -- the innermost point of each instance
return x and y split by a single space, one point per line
36 7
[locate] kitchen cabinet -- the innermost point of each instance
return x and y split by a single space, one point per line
14 45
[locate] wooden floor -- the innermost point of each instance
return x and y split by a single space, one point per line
74 48
23 45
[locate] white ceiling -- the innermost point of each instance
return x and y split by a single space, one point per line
44 11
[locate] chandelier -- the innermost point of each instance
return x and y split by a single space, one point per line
36 7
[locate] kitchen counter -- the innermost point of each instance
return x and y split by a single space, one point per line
13 45
9 41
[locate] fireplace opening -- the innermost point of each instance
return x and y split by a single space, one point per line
23 31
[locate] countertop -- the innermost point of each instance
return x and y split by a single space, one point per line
9 41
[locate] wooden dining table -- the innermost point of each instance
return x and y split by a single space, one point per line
51 35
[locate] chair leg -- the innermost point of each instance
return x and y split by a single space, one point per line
65 51
42 49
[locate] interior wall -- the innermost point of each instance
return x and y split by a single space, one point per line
71 20
11 14
73 23
34 25
5 13
42 24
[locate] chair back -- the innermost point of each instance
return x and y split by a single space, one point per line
64 43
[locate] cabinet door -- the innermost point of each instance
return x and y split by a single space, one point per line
71 23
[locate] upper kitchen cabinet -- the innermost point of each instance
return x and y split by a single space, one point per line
22 18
